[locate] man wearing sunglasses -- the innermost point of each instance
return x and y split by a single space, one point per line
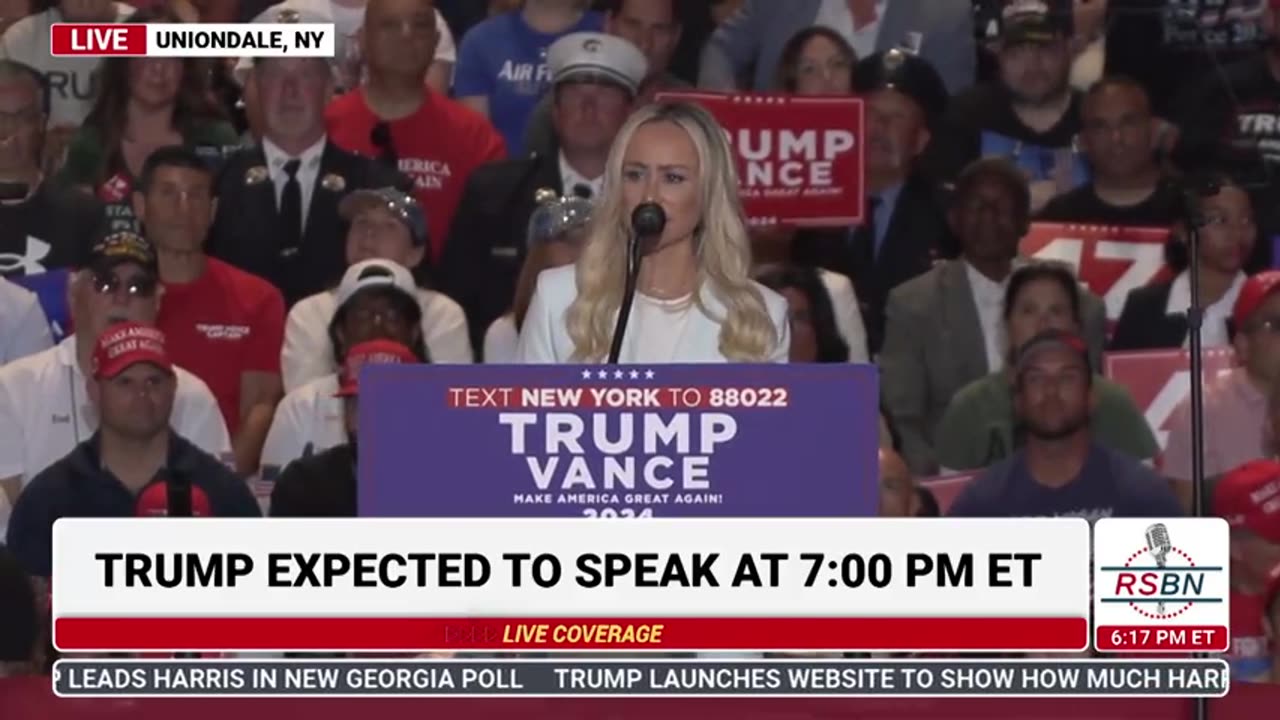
1235 403
45 410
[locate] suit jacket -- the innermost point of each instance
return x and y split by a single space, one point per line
934 346
544 339
941 29
486 244
1144 323
917 236
246 230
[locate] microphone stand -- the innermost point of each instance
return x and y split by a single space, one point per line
1195 320
634 257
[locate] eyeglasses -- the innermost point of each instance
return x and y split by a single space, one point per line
139 286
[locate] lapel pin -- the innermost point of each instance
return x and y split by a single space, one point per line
255 175
333 182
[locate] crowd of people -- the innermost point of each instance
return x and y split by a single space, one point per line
197 257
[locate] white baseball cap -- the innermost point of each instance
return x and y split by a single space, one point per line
598 56
375 273
294 11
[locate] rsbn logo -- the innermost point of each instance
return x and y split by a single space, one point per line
1160 581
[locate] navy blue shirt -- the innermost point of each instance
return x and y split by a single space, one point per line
79 486
1110 484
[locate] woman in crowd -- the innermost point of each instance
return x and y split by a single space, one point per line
556 233
814 336
144 104
978 428
695 300
817 61
1155 316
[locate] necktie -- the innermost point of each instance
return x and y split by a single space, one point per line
291 208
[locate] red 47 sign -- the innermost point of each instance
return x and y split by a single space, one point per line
1160 380
1110 261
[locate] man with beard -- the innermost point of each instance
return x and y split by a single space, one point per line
324 484
1060 470
1030 116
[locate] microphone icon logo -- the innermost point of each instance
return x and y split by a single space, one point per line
1159 545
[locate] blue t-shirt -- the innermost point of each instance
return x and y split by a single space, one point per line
505 60
1110 484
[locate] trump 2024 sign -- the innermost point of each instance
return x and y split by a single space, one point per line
618 441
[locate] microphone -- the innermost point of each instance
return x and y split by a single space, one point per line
647 223
168 497
1158 545
179 500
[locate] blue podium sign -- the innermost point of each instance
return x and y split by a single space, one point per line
619 441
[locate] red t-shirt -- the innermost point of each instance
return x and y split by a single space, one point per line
226 323
438 146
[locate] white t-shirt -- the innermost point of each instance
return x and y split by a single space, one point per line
308 353
660 326
45 412
73 81
307 421
24 330
501 341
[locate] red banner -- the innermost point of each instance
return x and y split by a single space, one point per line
1109 260
800 159
946 488
1160 380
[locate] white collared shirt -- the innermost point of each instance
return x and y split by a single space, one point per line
307 172
570 177
835 15
1213 332
988 296
24 330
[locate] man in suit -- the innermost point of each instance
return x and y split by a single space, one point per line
944 329
278 202
941 31
905 231
596 78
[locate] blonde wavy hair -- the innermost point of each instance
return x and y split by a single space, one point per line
723 250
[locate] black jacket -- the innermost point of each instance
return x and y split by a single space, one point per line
78 486
246 230
320 485
486 244
917 237
1144 324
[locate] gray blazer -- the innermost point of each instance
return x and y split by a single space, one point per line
934 346
941 30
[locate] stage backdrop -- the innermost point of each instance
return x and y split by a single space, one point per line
619 441
800 159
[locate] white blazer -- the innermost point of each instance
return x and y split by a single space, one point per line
545 340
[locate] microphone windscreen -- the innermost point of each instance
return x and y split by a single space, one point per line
648 219
153 501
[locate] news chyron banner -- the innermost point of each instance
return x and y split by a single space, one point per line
619 441
801 160
282 39
555 584
1161 586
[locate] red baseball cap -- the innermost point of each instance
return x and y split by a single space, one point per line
373 352
1254 292
124 345
1249 497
